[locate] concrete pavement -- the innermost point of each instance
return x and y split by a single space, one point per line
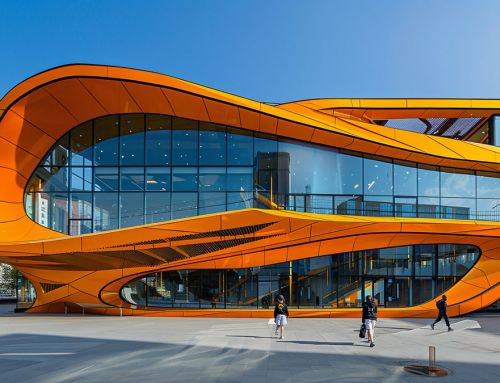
53 348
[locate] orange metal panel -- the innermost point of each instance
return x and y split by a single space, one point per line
76 98
223 113
111 95
20 132
186 105
149 98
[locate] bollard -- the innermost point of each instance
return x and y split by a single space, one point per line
432 357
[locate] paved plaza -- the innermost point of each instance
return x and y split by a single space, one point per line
57 348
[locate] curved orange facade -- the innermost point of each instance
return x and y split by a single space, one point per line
93 268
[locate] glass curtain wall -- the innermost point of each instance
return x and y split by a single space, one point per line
126 170
396 277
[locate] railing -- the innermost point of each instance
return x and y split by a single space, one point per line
357 205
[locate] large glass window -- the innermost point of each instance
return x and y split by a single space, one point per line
153 153
132 139
184 142
340 280
106 141
158 139
377 177
212 143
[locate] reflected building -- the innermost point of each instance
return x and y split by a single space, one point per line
166 197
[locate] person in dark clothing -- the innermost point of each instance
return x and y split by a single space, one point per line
441 306
280 315
369 318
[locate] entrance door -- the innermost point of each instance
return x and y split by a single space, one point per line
376 288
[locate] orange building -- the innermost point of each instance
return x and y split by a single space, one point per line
125 191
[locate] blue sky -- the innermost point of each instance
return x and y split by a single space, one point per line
268 50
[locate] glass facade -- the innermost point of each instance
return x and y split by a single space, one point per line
126 170
26 293
396 277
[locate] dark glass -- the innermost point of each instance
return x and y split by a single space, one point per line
398 292
212 143
242 289
106 137
81 145
132 179
423 290
424 260
158 179
328 281
105 179
131 209
132 139
157 207
135 292
105 211
390 261
239 147
158 139
184 142
455 260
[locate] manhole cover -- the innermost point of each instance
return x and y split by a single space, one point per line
425 370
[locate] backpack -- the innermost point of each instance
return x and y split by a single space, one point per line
440 305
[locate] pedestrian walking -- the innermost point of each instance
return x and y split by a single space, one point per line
441 306
280 316
369 318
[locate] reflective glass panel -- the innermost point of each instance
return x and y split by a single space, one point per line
132 179
81 145
184 205
106 141
106 179
158 139
185 179
212 143
457 183
428 181
212 179
132 139
105 211
405 179
239 147
158 179
184 142
212 203
378 177
81 178
157 207
131 209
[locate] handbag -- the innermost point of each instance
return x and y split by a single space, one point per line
362 331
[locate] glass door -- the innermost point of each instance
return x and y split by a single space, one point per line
376 288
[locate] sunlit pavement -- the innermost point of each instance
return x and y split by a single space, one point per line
58 348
